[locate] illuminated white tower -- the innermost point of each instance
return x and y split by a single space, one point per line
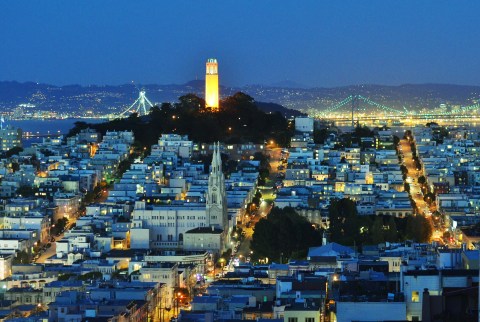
211 85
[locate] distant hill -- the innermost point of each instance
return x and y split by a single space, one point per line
289 84
273 107
111 99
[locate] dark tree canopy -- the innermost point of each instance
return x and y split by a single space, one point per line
320 135
237 121
422 180
284 235
264 169
60 226
27 191
344 222
347 139
348 228
13 151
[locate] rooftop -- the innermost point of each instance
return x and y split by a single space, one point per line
331 249
205 230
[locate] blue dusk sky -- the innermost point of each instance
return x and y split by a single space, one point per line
315 43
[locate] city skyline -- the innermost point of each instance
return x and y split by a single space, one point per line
312 44
305 161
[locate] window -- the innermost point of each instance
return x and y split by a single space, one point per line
309 319
415 296
292 319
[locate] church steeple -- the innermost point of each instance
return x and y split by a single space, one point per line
214 159
216 206
219 158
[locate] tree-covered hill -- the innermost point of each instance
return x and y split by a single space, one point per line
238 120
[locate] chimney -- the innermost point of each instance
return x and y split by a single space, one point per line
426 306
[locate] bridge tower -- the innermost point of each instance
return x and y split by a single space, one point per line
355 104
139 106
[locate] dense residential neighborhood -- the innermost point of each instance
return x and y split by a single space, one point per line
268 161
93 227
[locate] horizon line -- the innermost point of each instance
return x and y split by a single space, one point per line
272 85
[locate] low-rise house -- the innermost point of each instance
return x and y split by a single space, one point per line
53 289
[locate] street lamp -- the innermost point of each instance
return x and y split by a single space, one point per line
179 296
222 262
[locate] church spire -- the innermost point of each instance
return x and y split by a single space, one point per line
219 157
214 159
216 203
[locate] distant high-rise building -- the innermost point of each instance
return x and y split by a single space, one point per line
10 137
211 84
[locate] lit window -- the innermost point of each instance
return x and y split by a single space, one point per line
415 296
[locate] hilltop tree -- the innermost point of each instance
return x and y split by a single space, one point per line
237 121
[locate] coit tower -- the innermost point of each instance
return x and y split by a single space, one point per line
211 84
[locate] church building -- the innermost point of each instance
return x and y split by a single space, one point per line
188 226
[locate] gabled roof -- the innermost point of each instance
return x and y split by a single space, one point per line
331 249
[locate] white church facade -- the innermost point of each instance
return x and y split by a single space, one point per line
189 226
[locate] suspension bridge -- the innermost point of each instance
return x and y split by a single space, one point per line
141 105
354 108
